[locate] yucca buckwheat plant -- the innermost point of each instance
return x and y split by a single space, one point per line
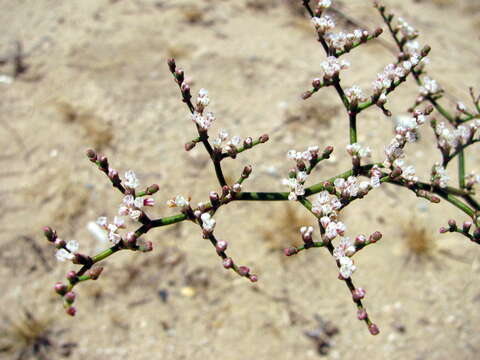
454 129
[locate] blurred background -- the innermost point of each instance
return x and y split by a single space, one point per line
93 74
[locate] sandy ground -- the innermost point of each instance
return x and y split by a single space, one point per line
97 77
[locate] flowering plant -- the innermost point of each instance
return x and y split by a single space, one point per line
326 199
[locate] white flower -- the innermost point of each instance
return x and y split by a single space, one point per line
131 180
323 24
208 223
202 99
63 255
72 245
440 176
430 87
324 4
355 94
344 248
359 150
347 267
102 221
178 201
332 66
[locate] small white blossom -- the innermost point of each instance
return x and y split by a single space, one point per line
323 24
347 267
344 248
208 223
131 180
63 255
440 176
72 245
332 67
355 94
430 87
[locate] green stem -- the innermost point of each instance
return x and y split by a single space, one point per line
461 169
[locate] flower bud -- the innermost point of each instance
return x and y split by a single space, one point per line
476 235
214 199
377 235
69 297
361 314
49 233
264 138
452 224
426 49
443 230
247 170
373 328
316 83
152 189
190 145
72 276
179 75
60 288
253 278
227 263
171 65
290 251
81 259
95 272
221 246
103 163
466 226
59 243
92 155
243 270
358 294
71 311
378 31
327 152
131 240
146 246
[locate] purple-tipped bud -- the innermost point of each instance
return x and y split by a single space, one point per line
452 224
171 65
358 294
316 83
426 49
263 138
327 152
225 190
373 328
243 270
434 199
49 233
95 272
378 31
443 230
113 175
152 189
59 243
69 297
290 251
227 263
466 226
179 75
253 278
362 314
396 172
306 95
71 311
190 145
60 288
103 163
92 155
72 276
247 170
360 240
131 240
476 235
377 235
248 142
221 246
214 199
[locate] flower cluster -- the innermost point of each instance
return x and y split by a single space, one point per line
66 251
332 66
439 176
203 120
430 87
449 139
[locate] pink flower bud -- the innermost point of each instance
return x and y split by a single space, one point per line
290 251
60 288
377 235
373 328
443 230
221 246
263 138
59 243
69 297
466 226
358 294
149 202
243 270
92 155
227 263
253 278
361 314
71 311
190 145
72 276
